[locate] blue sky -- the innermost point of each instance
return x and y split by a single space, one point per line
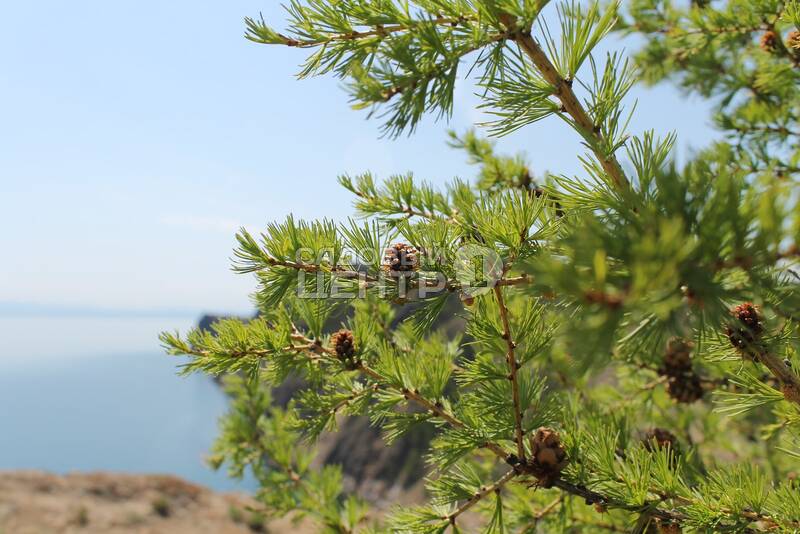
137 136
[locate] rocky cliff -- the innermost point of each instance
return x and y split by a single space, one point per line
382 474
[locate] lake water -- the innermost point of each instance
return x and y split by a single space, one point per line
88 393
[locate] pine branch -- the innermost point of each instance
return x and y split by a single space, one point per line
495 487
415 396
781 371
549 508
440 69
652 508
433 408
569 101
628 262
511 360
376 31
595 497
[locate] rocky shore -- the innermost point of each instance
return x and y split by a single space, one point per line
33 502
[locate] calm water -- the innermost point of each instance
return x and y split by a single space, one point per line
99 394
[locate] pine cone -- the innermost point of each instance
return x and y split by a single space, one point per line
793 40
345 347
747 314
661 439
748 328
686 388
400 258
769 41
678 357
548 456
669 528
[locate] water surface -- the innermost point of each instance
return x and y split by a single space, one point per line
89 393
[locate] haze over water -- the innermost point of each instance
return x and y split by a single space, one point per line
90 393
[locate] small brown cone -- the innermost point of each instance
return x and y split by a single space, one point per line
793 41
678 356
748 314
669 528
747 328
345 346
686 388
769 41
400 258
660 438
548 455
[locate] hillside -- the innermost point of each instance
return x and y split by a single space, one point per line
33 502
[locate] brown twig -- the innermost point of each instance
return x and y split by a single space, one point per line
549 508
784 373
596 498
569 101
434 408
511 360
480 494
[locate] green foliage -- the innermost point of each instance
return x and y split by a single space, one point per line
596 308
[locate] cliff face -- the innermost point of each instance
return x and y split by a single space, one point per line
33 502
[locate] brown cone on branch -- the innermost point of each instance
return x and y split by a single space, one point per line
686 388
791 393
345 346
660 438
400 258
677 357
769 41
683 384
793 41
669 527
747 328
748 314
548 456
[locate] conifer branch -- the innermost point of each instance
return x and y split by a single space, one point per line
569 101
652 507
538 516
371 281
440 69
598 498
515 281
378 30
432 407
511 360
249 352
788 379
627 243
495 487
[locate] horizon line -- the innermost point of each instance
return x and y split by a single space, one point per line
10 309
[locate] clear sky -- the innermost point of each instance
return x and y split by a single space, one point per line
135 137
